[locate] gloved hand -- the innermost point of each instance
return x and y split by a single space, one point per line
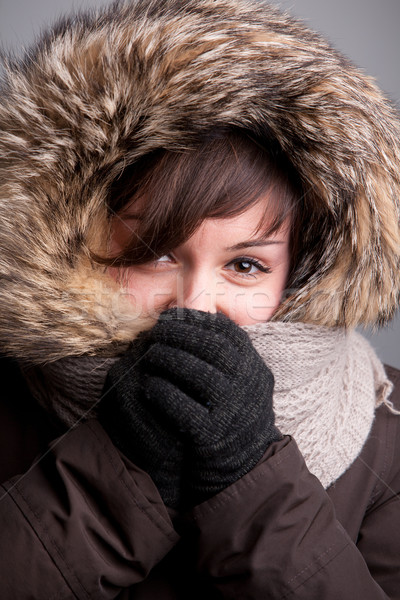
137 427
207 388
210 383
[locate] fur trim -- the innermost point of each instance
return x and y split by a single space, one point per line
101 89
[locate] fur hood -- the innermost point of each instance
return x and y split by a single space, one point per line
101 89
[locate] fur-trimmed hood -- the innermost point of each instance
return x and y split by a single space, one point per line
102 89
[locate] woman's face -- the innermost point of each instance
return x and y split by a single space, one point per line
224 267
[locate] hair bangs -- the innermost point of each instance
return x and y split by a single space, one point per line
167 195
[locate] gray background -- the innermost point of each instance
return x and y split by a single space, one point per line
365 30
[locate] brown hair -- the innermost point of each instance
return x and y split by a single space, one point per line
171 193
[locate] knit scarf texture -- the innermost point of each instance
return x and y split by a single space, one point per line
328 384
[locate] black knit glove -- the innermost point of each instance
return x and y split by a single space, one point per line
137 427
195 411
214 388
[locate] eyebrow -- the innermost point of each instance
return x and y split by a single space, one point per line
234 248
252 243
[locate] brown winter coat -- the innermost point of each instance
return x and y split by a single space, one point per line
84 522
91 98
103 90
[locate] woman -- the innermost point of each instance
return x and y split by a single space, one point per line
213 175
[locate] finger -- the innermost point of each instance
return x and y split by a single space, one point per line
127 413
209 322
211 347
187 417
195 377
203 425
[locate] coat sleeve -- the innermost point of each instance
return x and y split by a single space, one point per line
274 534
83 522
379 534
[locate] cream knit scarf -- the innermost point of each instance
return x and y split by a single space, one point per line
328 383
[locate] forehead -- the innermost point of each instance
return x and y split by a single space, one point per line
252 225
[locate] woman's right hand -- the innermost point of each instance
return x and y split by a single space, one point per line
135 425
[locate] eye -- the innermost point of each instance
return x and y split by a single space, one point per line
247 266
244 266
163 259
166 261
